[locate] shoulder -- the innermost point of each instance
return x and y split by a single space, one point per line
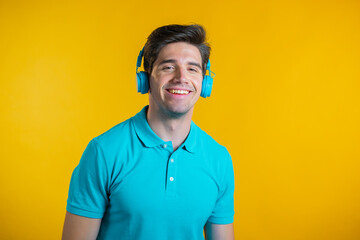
213 154
121 134
112 142
114 135
208 143
215 157
109 151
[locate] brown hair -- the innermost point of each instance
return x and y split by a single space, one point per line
160 37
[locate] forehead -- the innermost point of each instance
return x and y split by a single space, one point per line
179 51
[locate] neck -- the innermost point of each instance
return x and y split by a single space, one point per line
168 128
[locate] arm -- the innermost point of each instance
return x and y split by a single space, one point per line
80 228
219 231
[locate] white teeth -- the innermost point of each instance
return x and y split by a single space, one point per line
178 91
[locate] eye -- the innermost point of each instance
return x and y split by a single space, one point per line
168 68
194 69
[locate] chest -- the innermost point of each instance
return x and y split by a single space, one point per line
155 182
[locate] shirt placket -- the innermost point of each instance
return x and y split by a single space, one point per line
171 171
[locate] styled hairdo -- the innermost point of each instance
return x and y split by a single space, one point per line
160 37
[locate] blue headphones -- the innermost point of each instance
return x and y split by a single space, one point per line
143 80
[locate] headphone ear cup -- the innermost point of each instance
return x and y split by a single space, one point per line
206 86
142 82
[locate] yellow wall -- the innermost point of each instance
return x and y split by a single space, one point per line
285 102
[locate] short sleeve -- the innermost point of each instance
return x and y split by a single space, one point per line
88 186
223 212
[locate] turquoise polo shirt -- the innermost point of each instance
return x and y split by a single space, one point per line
143 190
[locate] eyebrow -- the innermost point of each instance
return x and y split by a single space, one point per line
174 61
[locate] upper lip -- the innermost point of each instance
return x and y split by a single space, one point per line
180 88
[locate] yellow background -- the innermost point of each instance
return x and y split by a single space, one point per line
285 102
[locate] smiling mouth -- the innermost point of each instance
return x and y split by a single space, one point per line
181 92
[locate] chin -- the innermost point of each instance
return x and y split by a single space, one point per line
179 112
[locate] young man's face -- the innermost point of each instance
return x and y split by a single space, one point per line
176 78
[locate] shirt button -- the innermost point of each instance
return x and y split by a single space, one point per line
165 145
171 179
172 160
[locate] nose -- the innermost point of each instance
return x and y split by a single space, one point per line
181 74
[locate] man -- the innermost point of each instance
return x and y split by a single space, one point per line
157 176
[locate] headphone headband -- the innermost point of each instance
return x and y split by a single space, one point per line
139 58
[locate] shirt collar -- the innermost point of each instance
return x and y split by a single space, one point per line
190 141
150 139
144 131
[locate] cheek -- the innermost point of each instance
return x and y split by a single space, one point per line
198 84
156 81
152 84
155 87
